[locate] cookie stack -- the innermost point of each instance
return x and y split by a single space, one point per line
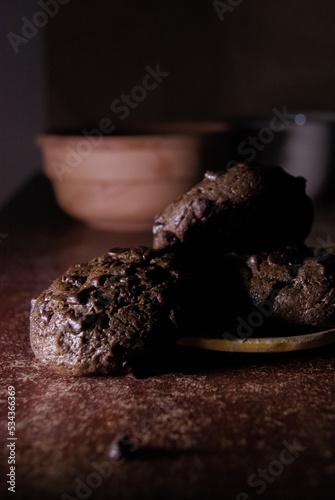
244 231
233 243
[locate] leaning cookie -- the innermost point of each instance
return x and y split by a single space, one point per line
299 290
107 315
245 209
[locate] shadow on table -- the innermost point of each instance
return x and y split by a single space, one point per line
188 360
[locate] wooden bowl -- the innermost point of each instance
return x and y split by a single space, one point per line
120 182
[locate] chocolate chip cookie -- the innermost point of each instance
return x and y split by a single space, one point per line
107 315
299 288
291 289
245 209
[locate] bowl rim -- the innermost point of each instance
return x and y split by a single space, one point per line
150 131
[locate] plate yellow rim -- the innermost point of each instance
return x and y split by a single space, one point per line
266 344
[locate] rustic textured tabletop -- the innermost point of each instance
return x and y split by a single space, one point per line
199 425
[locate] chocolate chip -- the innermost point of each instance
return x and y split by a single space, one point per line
46 316
115 251
42 307
121 447
79 323
73 299
277 259
76 323
146 256
199 208
210 175
95 281
74 280
253 263
168 238
80 280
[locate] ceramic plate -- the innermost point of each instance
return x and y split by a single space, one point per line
266 344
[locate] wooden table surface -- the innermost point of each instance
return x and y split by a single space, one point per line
203 424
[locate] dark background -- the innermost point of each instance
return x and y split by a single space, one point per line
262 55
